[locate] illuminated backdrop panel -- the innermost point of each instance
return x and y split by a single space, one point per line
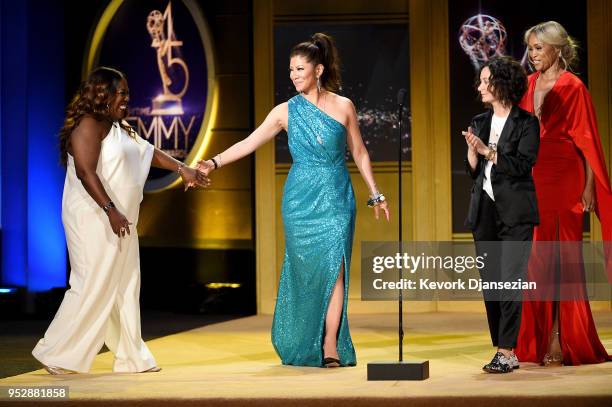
375 65
479 30
164 48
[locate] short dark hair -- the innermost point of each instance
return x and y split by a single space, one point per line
508 80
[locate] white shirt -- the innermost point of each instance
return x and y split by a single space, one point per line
497 126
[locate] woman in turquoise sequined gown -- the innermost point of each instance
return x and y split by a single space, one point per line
310 325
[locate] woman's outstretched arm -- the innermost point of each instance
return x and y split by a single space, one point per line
271 126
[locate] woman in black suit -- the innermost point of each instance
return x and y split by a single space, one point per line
502 149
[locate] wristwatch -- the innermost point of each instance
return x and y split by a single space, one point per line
108 206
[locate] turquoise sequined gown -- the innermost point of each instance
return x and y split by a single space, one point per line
318 212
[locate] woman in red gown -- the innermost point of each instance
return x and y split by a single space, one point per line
571 178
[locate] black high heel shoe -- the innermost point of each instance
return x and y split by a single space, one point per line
331 362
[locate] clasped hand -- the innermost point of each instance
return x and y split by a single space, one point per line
205 166
194 177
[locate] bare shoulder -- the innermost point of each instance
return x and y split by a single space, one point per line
342 103
281 108
280 114
90 127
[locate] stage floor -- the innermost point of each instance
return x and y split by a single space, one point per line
234 362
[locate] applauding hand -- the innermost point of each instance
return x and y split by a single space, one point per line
474 143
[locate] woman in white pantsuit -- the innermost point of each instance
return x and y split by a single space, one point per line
107 165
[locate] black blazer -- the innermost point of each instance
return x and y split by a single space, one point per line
511 179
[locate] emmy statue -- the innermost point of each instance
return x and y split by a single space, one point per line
168 103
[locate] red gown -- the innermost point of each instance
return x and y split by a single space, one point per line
568 132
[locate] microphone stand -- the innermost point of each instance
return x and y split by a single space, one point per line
401 97
400 370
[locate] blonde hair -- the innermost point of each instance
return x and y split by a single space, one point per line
553 34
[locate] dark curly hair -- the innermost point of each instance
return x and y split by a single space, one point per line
321 49
91 99
508 80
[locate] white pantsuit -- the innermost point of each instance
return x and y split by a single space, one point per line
102 304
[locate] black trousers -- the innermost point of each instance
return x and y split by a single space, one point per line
506 251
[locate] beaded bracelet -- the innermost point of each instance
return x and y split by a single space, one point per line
376 200
180 168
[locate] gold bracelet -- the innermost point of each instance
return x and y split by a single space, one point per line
490 155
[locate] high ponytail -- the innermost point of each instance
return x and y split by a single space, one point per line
321 49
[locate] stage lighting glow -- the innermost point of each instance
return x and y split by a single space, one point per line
223 285
8 290
180 118
33 242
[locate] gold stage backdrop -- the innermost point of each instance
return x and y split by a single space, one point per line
242 209
430 155
599 32
427 182
221 217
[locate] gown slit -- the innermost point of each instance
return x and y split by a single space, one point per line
341 268
318 210
568 139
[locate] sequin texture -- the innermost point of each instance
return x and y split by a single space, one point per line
318 211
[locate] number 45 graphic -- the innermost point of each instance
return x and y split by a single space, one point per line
163 42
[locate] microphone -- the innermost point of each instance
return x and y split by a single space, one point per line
401 97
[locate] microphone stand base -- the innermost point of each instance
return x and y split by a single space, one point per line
407 370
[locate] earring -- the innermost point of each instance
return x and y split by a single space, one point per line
318 85
562 59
